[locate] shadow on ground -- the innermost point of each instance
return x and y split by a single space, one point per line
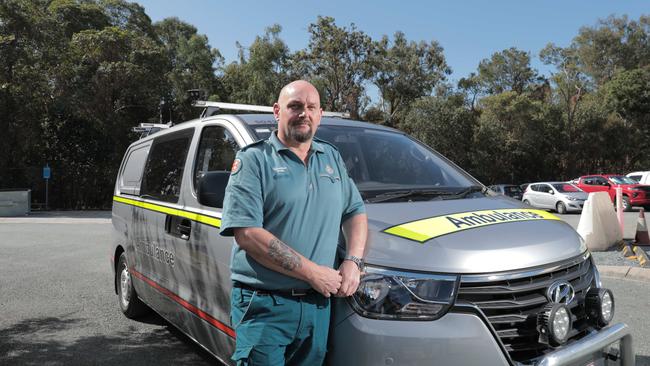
38 341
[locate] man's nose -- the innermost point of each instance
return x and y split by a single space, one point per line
303 113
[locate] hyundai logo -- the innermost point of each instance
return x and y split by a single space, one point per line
561 292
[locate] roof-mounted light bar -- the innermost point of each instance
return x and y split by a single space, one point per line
146 129
251 108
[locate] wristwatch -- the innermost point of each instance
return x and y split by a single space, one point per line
358 261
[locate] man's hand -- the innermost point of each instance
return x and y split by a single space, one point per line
351 276
325 280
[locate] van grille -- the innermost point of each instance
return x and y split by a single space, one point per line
511 302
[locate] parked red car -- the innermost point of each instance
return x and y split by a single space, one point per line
634 194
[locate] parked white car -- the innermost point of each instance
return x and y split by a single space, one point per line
641 177
562 197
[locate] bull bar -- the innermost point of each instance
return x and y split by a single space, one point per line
591 344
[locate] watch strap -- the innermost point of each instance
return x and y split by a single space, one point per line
358 261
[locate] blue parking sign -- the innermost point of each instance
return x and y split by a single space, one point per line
46 172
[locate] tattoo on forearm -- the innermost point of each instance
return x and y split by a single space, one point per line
283 255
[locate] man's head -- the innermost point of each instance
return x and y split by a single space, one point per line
298 112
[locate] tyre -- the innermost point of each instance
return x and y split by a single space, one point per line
627 207
526 202
128 299
560 207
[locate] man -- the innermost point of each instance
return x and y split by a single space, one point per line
286 201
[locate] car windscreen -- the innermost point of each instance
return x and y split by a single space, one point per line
566 188
381 161
619 179
512 190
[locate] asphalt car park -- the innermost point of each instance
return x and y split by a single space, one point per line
58 305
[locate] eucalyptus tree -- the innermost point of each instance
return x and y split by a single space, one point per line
404 71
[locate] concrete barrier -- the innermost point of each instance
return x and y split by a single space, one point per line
598 225
15 202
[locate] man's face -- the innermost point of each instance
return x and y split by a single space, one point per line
298 112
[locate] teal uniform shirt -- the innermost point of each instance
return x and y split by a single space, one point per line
302 205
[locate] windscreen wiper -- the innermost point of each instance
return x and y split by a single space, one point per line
410 193
465 192
443 194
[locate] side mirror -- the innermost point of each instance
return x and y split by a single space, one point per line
212 188
550 191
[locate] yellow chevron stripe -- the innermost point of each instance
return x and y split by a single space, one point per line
208 220
433 227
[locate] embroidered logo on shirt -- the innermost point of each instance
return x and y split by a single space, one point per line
236 166
329 169
280 169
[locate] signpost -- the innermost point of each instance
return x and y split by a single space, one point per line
47 172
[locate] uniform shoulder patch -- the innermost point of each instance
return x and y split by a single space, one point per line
236 166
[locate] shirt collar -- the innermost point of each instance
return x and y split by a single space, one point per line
279 146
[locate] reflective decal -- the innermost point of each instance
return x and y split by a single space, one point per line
204 219
433 227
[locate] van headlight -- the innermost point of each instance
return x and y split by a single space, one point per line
394 295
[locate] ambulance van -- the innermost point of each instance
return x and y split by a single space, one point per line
454 274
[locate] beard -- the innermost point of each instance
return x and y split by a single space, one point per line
300 135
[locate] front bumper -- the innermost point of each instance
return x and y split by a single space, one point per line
455 339
592 346
640 200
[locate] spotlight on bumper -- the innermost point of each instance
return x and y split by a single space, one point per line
600 306
554 324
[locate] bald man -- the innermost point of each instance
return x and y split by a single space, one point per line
286 202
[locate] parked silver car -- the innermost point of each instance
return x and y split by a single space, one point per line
562 197
453 275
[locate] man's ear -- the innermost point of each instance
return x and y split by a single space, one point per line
276 111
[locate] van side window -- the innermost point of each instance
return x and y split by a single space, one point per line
636 177
164 170
216 152
132 173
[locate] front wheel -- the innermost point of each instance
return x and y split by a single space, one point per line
526 202
627 206
130 304
560 208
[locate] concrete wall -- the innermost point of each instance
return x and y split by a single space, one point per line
15 203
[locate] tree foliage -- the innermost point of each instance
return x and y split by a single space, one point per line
404 71
261 71
508 70
77 75
337 60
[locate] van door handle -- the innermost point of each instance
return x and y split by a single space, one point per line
184 228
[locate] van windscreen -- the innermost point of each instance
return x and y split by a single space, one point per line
384 161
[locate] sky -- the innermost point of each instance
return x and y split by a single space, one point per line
469 31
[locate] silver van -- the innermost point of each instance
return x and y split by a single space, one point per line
454 274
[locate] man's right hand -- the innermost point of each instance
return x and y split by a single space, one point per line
325 280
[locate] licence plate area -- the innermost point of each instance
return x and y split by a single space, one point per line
607 357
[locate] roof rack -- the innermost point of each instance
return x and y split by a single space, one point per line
211 107
146 129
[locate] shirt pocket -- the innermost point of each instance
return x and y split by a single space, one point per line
331 178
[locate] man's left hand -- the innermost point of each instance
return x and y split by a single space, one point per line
351 277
